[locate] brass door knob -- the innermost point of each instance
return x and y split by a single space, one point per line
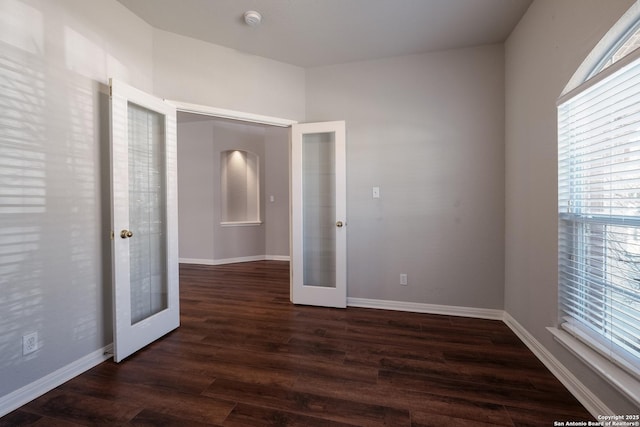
339 224
126 234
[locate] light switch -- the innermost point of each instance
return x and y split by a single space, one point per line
272 199
376 192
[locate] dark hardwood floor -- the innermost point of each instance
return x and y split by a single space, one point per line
245 356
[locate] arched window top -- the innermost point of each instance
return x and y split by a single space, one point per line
627 44
615 49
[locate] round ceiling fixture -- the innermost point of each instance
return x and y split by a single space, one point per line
252 18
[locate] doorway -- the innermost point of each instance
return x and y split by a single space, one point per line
208 147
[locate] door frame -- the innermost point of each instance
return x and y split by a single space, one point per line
222 113
205 110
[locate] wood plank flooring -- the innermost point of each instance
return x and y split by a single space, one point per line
245 356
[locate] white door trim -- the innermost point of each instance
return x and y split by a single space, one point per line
205 110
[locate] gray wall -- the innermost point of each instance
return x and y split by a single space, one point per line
196 203
54 268
276 184
54 233
189 70
57 56
543 52
202 238
428 130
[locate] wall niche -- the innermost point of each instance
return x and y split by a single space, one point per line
240 188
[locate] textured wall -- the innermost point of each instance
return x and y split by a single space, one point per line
56 58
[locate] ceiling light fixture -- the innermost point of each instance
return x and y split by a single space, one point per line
252 18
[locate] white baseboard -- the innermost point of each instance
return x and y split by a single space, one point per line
277 258
234 260
479 313
26 394
590 401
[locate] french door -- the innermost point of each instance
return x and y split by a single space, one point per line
144 218
318 217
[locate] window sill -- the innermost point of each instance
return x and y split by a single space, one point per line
240 223
618 378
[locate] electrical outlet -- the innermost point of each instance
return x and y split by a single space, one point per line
29 343
403 279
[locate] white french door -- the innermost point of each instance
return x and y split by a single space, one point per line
318 217
144 218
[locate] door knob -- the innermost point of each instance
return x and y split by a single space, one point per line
339 224
126 234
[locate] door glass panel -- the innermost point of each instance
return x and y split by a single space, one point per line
147 213
319 209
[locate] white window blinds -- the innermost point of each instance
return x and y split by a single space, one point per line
599 215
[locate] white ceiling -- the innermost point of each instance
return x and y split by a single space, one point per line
312 33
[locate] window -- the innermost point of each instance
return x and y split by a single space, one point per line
599 211
624 47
